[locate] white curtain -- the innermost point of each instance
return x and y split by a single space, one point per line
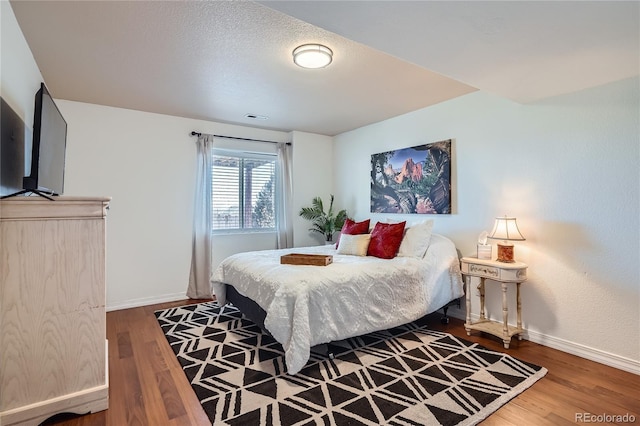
199 285
284 221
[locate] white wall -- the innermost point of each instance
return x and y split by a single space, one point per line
312 177
568 168
146 163
20 76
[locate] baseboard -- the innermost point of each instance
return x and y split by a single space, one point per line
83 402
586 352
597 355
135 303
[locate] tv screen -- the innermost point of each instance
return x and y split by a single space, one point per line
49 145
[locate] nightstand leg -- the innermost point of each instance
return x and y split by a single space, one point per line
481 290
467 280
505 317
519 308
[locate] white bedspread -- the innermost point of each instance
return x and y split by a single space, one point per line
310 305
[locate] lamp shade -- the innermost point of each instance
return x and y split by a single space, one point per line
506 228
312 56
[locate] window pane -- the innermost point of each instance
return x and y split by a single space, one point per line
258 189
243 191
225 192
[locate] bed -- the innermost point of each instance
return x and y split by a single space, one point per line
302 306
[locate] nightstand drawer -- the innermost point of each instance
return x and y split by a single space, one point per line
508 272
481 270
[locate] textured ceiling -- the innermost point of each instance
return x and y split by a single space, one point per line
219 61
222 60
520 50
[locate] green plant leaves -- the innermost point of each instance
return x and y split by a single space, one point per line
325 223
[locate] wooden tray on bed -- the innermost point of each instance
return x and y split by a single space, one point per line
306 259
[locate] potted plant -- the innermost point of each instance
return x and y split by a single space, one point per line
325 223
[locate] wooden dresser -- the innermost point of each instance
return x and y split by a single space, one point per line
52 308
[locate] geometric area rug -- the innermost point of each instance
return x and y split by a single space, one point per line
408 375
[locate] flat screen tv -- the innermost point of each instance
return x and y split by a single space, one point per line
48 149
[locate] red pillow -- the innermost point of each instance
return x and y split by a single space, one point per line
353 228
386 239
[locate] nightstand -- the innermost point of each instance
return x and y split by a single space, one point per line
507 274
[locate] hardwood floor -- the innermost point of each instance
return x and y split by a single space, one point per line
148 387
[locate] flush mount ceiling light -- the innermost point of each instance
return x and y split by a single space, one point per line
312 56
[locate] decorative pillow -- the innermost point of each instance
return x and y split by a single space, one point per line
416 240
353 228
355 245
386 239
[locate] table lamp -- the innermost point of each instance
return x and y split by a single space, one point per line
505 229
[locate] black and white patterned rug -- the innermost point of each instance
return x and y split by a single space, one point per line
408 375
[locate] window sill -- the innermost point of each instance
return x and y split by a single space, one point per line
219 233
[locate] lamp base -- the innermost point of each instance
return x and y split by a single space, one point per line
505 252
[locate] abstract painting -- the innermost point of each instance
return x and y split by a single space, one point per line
414 180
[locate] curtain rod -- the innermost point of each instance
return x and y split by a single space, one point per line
194 133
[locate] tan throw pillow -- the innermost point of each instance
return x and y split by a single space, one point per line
416 240
355 245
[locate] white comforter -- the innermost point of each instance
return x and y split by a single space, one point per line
310 305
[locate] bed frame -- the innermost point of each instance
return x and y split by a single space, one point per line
248 307
255 313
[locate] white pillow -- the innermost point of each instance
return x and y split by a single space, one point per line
416 240
355 245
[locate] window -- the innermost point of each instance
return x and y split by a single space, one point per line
243 191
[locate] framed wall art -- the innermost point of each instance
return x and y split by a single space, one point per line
412 180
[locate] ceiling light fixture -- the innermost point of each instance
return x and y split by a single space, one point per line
312 56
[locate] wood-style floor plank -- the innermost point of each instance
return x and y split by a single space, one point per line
148 387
